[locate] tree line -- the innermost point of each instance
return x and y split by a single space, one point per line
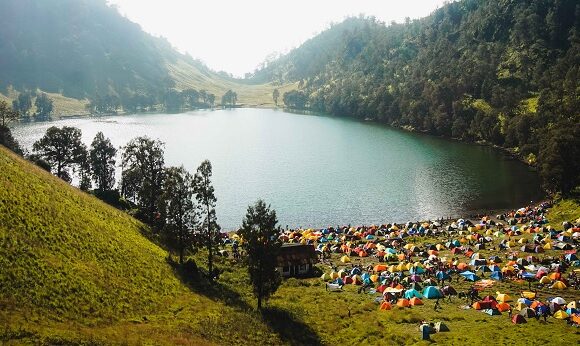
171 101
500 72
179 206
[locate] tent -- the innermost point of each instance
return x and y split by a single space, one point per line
413 293
558 285
345 259
385 306
502 307
325 277
561 314
527 312
470 276
503 298
404 303
492 312
441 275
432 292
415 301
498 276
441 327
545 280
558 300
518 319
529 295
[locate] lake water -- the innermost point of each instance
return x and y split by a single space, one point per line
319 171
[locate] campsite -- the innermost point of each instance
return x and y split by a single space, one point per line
508 277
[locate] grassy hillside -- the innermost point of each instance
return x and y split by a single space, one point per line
74 269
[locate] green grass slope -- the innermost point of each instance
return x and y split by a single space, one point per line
74 270
65 251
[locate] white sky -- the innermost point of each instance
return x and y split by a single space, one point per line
236 35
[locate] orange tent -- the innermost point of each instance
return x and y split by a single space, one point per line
404 303
535 304
503 307
415 301
386 306
555 276
476 306
380 268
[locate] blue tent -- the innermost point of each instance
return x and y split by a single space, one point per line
496 276
529 276
413 293
432 292
492 312
542 309
416 270
441 275
484 269
470 276
355 271
570 257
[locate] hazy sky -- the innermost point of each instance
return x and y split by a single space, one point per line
237 35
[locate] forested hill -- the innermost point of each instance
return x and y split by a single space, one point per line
84 49
501 71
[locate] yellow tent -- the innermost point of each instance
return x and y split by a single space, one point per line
529 295
325 277
521 306
503 298
545 280
572 305
561 315
408 246
345 259
548 246
558 285
523 241
333 275
374 278
511 243
401 267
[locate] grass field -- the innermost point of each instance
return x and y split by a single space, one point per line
186 76
76 271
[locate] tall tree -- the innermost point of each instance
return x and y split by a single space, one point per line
44 105
7 114
23 103
181 217
63 149
229 99
262 245
275 96
142 177
204 193
102 162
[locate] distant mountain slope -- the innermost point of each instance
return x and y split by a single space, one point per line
81 48
505 72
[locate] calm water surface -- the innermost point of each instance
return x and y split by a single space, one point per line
318 171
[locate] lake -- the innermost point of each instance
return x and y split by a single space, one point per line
319 171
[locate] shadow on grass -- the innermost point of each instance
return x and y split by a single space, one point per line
199 283
285 324
290 329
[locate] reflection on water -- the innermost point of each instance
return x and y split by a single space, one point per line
318 171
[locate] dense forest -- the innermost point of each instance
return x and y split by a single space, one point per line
504 72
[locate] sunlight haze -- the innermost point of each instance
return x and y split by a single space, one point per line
236 36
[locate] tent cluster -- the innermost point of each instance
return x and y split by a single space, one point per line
529 308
